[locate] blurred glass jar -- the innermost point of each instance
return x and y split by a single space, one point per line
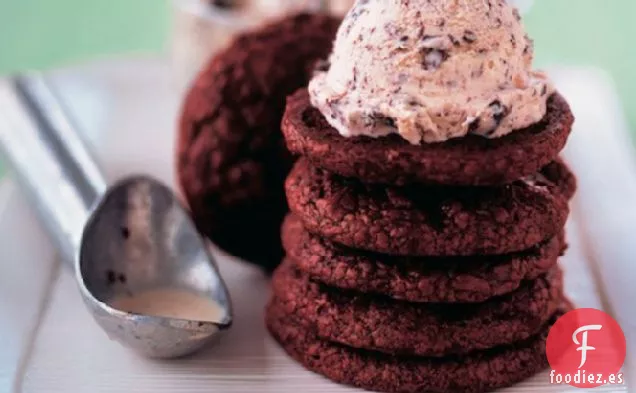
202 27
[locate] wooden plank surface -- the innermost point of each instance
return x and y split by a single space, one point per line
71 354
602 154
26 268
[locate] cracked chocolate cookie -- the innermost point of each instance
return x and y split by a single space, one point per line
429 220
231 157
470 160
477 372
424 279
425 329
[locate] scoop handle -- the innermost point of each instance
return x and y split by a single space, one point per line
49 160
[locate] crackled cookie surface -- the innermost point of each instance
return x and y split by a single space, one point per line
366 321
423 279
470 160
429 221
478 372
231 159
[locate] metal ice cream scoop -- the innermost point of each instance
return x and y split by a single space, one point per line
125 242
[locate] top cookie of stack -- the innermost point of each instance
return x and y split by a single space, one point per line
439 93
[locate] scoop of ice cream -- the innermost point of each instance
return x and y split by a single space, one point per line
431 71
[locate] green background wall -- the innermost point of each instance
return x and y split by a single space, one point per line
46 33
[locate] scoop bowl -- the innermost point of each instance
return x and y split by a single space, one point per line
140 239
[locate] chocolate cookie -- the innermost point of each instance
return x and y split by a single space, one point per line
471 160
423 279
473 373
231 157
425 329
428 220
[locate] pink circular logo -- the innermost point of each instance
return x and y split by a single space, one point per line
586 348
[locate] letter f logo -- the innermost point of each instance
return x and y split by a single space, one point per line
583 344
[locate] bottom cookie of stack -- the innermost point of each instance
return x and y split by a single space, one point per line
478 371
378 343
425 329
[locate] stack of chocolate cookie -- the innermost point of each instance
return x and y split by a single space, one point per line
417 268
